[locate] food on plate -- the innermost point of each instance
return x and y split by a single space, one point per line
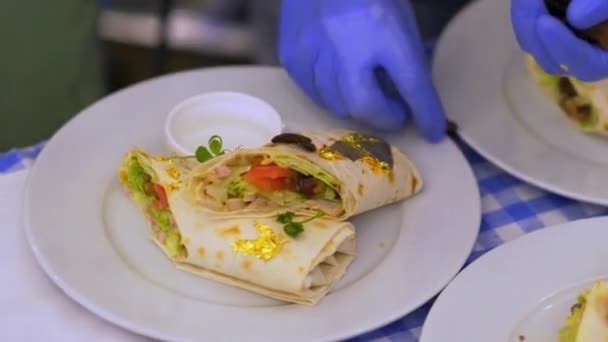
286 257
588 320
340 173
584 104
597 35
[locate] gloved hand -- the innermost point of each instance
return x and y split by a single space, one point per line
554 46
361 59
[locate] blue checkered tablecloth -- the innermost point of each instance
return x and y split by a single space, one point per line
510 208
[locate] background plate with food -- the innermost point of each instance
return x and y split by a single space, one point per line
504 114
543 286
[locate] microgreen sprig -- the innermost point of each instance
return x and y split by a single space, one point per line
204 153
292 228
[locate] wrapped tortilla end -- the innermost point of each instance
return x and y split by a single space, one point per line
331 260
316 278
347 247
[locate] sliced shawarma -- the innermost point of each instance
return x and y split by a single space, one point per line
340 173
252 254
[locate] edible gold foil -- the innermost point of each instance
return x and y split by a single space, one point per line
265 247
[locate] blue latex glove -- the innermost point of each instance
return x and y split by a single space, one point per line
555 47
361 59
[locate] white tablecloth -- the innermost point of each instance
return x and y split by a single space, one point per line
32 308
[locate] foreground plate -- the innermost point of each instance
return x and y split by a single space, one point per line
481 75
93 242
524 288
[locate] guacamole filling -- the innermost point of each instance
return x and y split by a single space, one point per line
153 198
262 182
569 332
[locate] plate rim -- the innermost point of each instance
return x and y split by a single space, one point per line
511 170
76 296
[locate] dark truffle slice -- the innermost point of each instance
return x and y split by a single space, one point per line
295 139
375 147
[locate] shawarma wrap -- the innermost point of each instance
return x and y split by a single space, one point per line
252 254
584 104
340 173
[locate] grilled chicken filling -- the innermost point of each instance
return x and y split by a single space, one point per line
258 182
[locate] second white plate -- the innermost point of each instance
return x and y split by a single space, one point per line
523 290
480 72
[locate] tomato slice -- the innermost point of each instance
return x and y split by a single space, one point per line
161 201
270 185
270 171
270 178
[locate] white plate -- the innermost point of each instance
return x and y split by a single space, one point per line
522 288
92 241
480 72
